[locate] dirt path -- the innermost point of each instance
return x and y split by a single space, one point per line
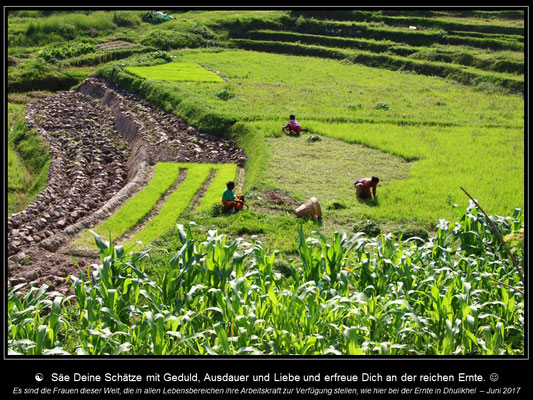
99 140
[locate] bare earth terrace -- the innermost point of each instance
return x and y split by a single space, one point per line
103 143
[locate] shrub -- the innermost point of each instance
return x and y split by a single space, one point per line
208 37
225 94
381 106
158 55
155 17
191 36
166 40
63 52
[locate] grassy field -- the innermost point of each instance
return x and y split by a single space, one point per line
278 85
419 119
182 72
447 158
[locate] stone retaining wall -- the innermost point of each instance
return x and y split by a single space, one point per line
102 142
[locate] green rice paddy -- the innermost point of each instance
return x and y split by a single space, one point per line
451 134
127 221
179 72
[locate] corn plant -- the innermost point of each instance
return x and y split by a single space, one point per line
34 320
345 295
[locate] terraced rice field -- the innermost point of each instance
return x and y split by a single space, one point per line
154 209
181 72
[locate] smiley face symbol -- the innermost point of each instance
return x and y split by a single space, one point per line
494 377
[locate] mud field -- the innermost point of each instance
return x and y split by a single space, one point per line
102 143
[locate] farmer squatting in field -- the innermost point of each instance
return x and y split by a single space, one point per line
231 202
365 188
292 126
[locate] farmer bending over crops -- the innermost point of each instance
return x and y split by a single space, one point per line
365 188
231 202
292 127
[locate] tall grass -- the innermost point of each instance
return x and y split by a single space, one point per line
67 26
449 22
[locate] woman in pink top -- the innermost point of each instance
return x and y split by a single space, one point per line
292 126
365 188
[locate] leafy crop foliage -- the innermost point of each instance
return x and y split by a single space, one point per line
175 72
347 295
60 53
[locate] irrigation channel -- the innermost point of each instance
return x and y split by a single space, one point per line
103 144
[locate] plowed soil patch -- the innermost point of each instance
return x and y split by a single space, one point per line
116 45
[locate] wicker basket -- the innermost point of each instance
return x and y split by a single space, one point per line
311 208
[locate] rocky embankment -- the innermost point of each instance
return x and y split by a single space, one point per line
100 140
88 166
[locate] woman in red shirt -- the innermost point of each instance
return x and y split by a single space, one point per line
292 126
365 188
